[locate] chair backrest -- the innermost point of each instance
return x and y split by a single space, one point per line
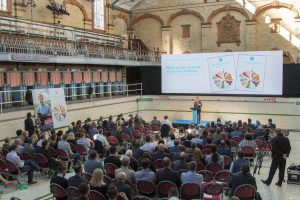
158 164
164 129
112 140
190 191
52 152
41 159
200 167
213 189
237 139
81 149
245 191
140 197
3 164
155 127
73 147
223 176
110 169
133 163
208 176
248 151
120 197
163 188
87 176
58 191
27 156
125 136
95 195
72 192
62 154
5 152
233 144
107 180
214 167
137 134
12 167
206 151
146 188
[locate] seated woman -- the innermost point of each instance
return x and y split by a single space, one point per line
214 157
97 182
198 156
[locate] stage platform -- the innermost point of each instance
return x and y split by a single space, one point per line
187 122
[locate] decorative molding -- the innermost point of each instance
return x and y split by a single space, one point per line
276 5
227 8
184 12
144 16
80 6
228 30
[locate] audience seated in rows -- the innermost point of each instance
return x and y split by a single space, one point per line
97 182
167 173
77 179
145 174
191 176
92 163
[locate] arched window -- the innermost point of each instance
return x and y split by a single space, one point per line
99 10
3 5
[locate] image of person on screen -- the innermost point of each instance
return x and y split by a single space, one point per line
198 106
43 108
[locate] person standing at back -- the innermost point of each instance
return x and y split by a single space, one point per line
281 149
29 125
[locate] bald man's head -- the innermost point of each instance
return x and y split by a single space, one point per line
121 176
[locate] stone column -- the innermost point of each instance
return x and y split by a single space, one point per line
297 29
206 37
250 35
166 39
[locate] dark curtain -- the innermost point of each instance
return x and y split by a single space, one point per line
151 79
291 80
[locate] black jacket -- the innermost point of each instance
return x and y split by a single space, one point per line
239 179
167 174
280 145
29 126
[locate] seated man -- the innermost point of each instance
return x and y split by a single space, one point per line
82 141
223 150
176 155
160 154
99 136
167 173
112 193
181 163
236 165
191 176
155 121
28 148
20 148
243 177
28 166
145 174
125 168
92 163
112 158
148 146
77 179
84 191
137 152
174 149
214 157
122 186
60 179
64 145
52 162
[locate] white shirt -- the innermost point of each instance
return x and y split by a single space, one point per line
148 147
101 138
13 157
39 143
166 121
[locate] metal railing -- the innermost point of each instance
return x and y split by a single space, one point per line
16 98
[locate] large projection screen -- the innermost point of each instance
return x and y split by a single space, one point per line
237 73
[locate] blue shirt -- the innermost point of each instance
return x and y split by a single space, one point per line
191 177
45 110
236 165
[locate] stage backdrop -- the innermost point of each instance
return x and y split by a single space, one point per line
239 73
50 108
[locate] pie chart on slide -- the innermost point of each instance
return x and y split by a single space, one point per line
223 80
59 112
250 79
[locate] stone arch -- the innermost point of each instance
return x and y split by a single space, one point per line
227 8
144 16
120 16
184 12
285 54
80 6
276 5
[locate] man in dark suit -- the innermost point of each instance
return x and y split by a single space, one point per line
281 149
60 179
174 149
223 150
122 186
168 174
241 178
160 154
52 163
29 125
137 152
112 158
77 179
180 164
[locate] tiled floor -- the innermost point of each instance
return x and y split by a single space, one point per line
273 192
